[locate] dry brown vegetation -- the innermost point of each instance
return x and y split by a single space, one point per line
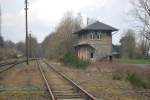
22 82
8 53
7 61
98 80
21 75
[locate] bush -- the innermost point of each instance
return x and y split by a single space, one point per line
117 76
71 59
137 80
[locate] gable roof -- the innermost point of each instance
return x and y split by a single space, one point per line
98 26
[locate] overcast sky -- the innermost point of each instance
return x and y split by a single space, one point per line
44 15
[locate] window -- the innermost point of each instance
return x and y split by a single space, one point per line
92 55
92 36
99 35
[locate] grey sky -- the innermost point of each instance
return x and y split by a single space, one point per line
44 15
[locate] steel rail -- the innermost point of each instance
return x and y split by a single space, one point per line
13 64
46 82
6 63
88 95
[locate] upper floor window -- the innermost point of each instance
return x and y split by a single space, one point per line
99 35
92 36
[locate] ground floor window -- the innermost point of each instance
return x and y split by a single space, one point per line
92 55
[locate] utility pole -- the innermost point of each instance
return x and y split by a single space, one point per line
30 38
1 38
0 21
26 20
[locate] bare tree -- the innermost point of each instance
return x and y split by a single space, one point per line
61 41
34 49
9 44
128 44
21 47
141 13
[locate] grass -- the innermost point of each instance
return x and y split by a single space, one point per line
135 61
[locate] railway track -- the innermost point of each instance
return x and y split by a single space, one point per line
56 86
30 87
8 65
59 86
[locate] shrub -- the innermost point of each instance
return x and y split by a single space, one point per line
137 80
137 76
117 76
71 59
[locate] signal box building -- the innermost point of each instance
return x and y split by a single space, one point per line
94 41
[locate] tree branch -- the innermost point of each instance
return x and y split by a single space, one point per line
146 7
147 37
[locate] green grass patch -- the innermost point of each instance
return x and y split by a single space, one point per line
135 61
72 60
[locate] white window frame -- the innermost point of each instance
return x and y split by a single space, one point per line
92 36
99 35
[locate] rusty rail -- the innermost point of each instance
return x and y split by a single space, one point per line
88 95
46 82
13 64
7 63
